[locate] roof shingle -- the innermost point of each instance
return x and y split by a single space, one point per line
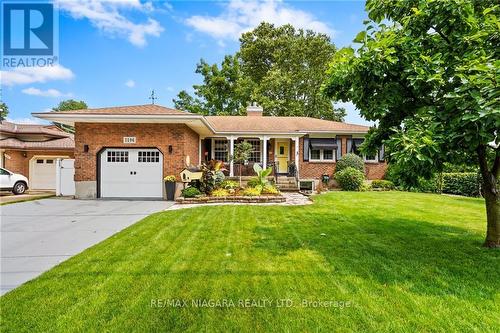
147 109
63 144
280 124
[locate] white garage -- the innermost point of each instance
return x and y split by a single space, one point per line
43 173
131 173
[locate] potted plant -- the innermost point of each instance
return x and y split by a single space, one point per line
170 187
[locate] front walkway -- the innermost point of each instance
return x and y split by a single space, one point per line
292 199
38 235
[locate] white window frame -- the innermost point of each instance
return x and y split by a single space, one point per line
255 151
371 161
226 151
321 157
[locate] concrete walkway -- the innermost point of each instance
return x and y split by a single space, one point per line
37 235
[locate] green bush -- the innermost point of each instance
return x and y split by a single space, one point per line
270 189
350 179
190 192
252 191
229 185
220 192
252 182
404 181
350 161
383 184
465 183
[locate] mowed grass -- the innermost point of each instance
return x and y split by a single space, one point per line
400 261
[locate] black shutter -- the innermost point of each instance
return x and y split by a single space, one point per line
381 154
306 149
339 148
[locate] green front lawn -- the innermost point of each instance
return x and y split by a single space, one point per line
399 261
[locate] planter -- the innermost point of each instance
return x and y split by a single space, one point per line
238 198
170 190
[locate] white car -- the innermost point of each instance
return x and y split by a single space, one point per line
14 182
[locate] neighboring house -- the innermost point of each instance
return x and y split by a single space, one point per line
32 150
126 151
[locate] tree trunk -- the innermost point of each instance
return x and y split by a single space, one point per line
493 218
491 197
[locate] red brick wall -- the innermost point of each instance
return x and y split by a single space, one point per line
18 163
317 169
183 140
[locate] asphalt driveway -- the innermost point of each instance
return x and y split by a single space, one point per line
37 235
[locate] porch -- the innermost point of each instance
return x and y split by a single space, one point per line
280 153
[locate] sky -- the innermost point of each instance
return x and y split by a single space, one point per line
115 52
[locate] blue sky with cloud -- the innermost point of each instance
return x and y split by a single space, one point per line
115 52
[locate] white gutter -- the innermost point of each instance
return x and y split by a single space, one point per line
73 118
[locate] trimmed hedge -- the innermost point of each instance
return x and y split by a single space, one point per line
461 183
350 179
383 184
350 161
190 192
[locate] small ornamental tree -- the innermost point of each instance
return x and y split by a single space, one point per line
428 72
241 155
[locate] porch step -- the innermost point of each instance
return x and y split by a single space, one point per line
287 184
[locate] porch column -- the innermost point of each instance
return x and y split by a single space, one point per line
264 152
231 153
296 141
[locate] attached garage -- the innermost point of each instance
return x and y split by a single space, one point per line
131 173
42 173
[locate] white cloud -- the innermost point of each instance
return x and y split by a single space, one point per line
240 16
44 93
130 83
106 16
27 75
26 120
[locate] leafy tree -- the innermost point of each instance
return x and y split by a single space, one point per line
428 72
281 68
223 92
242 152
4 111
68 105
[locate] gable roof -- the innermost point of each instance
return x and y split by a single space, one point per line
280 124
46 137
54 144
208 125
46 130
147 109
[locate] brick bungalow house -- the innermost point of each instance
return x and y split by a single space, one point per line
32 150
126 151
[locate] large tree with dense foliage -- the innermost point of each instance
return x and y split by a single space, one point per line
428 72
281 68
67 105
4 111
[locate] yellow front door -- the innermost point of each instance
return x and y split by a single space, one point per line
282 153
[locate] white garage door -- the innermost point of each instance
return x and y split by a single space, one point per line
43 174
131 173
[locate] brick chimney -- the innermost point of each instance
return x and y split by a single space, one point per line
254 110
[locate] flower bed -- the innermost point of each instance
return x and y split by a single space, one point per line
232 198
